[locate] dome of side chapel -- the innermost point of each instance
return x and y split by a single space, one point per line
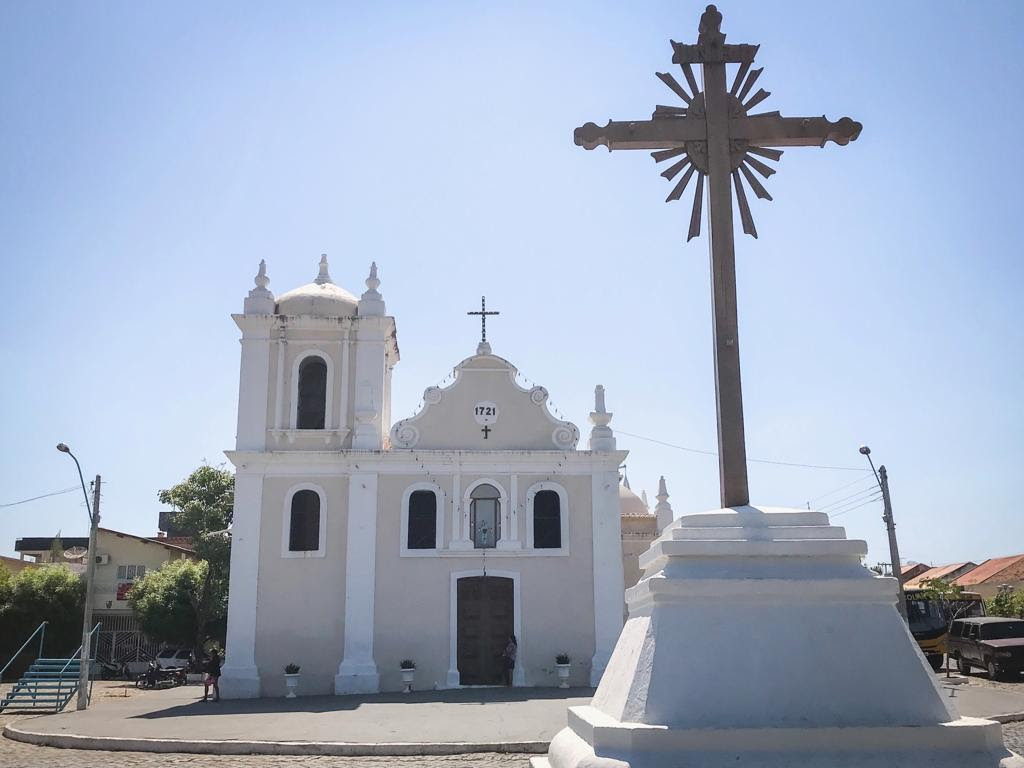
630 504
320 298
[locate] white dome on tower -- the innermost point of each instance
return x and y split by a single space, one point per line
320 298
631 504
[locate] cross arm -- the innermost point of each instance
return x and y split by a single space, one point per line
659 133
773 130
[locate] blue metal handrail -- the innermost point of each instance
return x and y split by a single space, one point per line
77 655
41 631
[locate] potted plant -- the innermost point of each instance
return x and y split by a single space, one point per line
408 668
562 663
291 679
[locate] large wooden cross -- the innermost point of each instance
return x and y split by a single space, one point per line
715 136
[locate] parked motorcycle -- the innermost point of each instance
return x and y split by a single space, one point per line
156 676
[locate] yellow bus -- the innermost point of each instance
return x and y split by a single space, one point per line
929 618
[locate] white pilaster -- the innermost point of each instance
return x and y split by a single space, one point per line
357 672
608 579
344 376
240 678
510 518
253 382
370 368
459 539
282 346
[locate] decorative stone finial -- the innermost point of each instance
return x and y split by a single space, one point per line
324 276
643 498
371 302
260 300
601 437
483 348
261 279
663 509
625 480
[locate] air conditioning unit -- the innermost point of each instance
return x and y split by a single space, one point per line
102 559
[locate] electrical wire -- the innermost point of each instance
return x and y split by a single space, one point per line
872 500
36 498
867 472
859 495
757 461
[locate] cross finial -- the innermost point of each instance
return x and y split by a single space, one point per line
483 348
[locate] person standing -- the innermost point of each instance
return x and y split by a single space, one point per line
509 657
212 676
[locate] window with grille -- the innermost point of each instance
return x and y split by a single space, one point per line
130 572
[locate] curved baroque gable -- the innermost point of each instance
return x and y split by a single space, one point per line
485 409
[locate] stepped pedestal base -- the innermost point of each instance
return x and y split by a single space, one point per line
957 744
757 638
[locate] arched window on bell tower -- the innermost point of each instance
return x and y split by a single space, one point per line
312 394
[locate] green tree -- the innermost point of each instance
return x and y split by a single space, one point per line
175 603
940 589
52 593
1008 603
203 503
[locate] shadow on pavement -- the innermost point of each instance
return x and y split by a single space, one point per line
322 704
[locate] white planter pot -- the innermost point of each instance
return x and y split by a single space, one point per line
292 681
563 675
408 675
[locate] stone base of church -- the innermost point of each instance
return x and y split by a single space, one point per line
758 638
356 678
240 683
594 740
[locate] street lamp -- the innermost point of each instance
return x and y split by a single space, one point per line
90 579
882 478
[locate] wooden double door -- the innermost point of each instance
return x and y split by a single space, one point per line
486 618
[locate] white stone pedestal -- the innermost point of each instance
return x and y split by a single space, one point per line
239 682
757 638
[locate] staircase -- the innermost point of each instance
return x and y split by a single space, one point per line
47 685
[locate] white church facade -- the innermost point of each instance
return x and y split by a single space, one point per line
359 541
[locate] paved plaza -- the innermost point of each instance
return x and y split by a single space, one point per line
515 717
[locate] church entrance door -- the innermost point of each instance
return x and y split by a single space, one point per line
485 620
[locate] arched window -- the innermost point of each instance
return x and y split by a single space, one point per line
312 405
422 520
485 516
547 520
304 524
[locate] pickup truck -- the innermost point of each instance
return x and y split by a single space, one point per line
992 643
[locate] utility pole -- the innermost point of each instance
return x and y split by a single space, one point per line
882 478
894 550
90 589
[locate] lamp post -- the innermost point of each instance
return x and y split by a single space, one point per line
90 580
882 478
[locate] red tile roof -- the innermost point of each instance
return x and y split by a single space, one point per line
988 569
938 572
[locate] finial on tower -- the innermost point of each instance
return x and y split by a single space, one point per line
324 276
261 279
663 509
371 302
260 300
601 437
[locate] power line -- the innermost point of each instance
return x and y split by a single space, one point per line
840 488
872 500
852 497
758 461
36 498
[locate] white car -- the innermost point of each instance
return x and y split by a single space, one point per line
173 657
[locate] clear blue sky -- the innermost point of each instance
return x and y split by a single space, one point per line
152 154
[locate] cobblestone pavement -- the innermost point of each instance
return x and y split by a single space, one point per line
14 754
